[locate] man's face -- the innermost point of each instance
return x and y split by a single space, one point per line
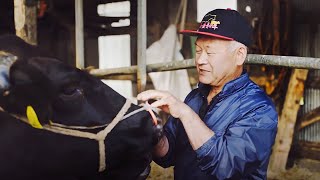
215 62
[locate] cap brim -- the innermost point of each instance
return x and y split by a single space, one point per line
198 33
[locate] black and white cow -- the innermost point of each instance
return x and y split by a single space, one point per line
63 94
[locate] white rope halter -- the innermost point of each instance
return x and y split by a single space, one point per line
100 136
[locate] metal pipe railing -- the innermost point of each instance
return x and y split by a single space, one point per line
79 39
271 60
142 45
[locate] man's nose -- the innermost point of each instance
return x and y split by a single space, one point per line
202 58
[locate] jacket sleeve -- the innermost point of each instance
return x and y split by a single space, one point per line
244 145
170 129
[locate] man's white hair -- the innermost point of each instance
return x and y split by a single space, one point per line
235 45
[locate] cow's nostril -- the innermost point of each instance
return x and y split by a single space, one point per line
157 133
159 120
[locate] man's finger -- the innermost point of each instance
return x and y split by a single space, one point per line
150 94
159 103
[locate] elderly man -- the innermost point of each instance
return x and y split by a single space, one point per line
226 127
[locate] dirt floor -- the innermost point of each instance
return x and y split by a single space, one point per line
303 169
159 173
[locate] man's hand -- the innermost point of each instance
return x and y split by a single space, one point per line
165 101
197 131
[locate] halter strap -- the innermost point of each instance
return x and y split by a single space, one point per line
100 136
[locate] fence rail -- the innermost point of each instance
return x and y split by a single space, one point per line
271 60
285 61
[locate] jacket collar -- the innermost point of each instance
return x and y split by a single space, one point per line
229 88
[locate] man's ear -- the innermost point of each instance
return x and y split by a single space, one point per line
241 55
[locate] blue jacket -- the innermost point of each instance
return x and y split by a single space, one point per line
244 121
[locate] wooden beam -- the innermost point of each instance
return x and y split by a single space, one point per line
25 19
310 150
310 118
281 148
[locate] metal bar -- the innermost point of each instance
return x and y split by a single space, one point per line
79 34
114 71
142 45
285 61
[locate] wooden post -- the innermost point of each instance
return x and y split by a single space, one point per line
287 122
25 19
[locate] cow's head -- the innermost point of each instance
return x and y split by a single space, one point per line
63 94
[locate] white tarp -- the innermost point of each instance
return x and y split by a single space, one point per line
165 50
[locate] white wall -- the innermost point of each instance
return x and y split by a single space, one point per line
204 6
114 51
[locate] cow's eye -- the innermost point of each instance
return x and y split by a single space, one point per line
71 92
69 100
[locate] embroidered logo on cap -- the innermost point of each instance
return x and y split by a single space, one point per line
211 23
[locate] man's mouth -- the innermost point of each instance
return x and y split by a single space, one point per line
203 71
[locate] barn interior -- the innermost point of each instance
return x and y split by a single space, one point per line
110 40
